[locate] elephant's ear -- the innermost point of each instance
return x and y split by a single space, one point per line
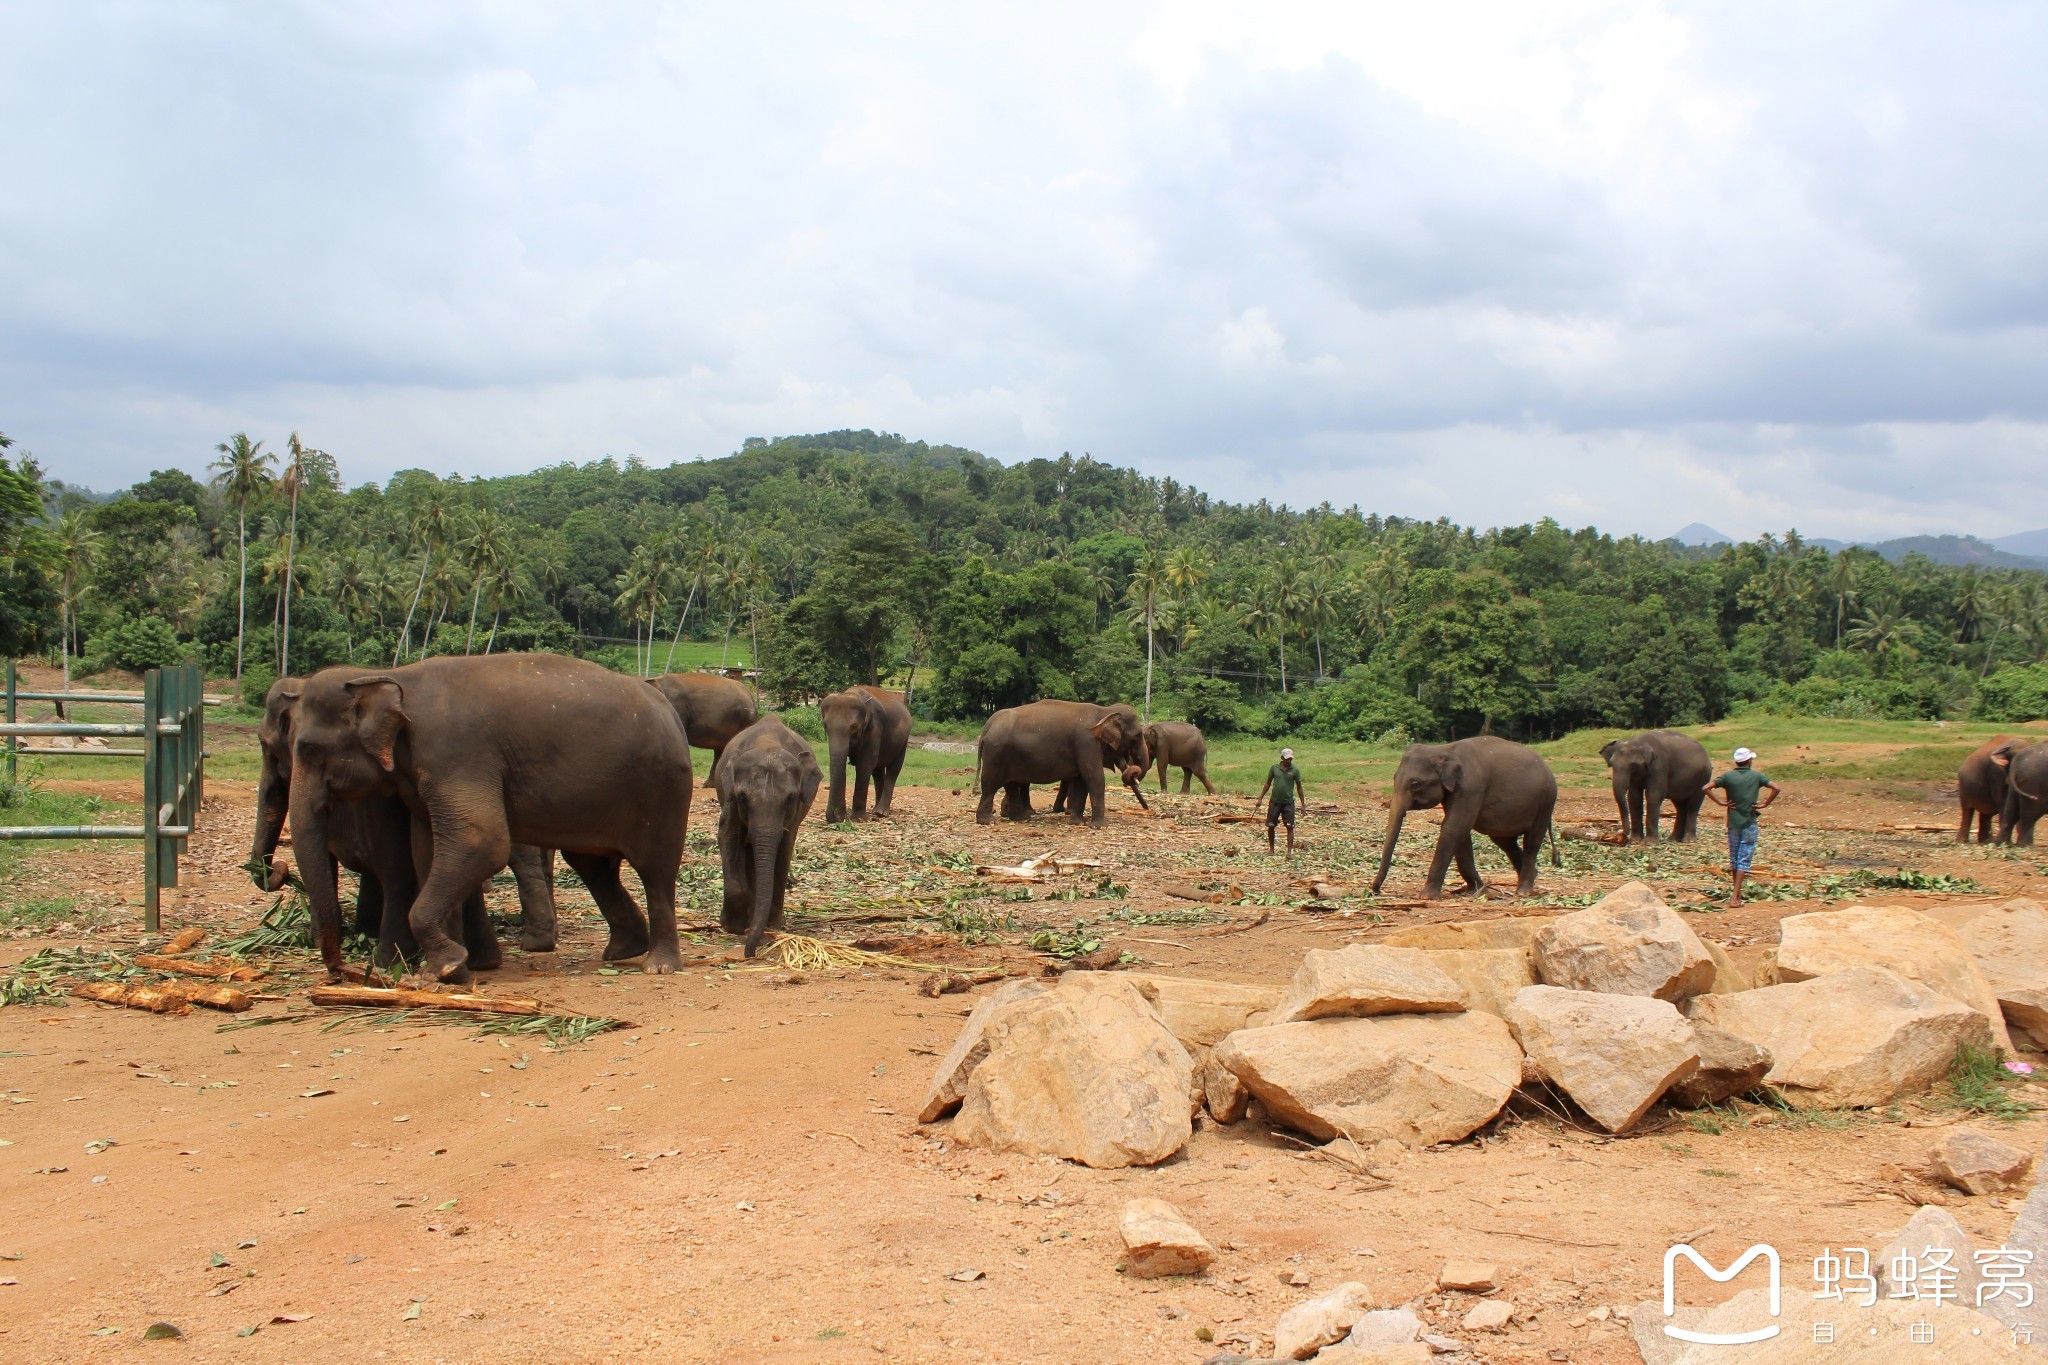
1452 774
1109 733
380 712
1607 751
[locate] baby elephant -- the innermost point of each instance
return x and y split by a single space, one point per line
766 780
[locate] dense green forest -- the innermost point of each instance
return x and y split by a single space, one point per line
852 556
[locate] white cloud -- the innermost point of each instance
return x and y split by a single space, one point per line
1626 263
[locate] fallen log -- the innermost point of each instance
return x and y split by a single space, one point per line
1233 818
230 971
1613 838
155 999
185 941
1252 923
214 997
1186 892
403 998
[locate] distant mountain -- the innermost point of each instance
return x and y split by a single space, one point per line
2034 543
2027 550
1699 533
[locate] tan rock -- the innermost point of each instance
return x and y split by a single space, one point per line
1488 976
2029 1233
1931 1237
1322 1321
2009 943
1893 937
1416 1078
1850 1040
949 1085
1223 1093
1517 931
1087 1071
1613 1054
1729 1066
1977 1163
1201 1012
1385 1327
1344 1353
1877 1335
1488 1315
1366 979
1471 1277
1728 977
1159 1241
1627 943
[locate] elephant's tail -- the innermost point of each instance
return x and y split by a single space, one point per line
2014 783
1555 860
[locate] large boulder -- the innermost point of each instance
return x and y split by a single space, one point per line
1729 1066
1896 938
1321 1321
1365 979
1850 1040
1201 1012
1627 943
1087 1071
1932 1242
2010 945
1517 931
1415 1078
1488 976
1613 1054
949 1085
1977 1163
2029 1234
1880 1334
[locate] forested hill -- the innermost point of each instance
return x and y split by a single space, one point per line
852 555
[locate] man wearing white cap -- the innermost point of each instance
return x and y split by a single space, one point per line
1742 785
1283 779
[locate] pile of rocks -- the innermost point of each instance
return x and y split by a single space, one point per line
1424 1037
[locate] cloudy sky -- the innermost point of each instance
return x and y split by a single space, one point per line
1629 264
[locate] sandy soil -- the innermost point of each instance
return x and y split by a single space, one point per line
738 1176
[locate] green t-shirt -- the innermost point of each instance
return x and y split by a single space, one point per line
1285 780
1743 785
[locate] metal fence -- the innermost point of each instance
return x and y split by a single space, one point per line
173 754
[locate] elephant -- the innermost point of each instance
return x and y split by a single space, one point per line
1183 746
713 710
766 785
868 727
1492 785
1980 788
373 839
1073 793
1655 767
1051 741
2026 789
489 750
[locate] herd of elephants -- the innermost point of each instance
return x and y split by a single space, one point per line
426 780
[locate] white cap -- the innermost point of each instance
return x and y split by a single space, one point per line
1744 755
1287 753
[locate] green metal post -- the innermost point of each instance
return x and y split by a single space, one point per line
152 796
13 744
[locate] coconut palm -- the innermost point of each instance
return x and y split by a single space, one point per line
300 468
1148 578
489 549
244 471
1885 631
1842 576
429 527
77 546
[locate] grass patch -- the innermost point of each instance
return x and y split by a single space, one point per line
1977 1081
36 912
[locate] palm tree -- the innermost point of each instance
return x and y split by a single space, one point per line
1147 578
429 526
698 552
489 551
77 545
640 598
1843 574
244 470
299 468
1886 631
508 586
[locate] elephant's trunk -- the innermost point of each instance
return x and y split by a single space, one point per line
271 807
1394 818
1131 780
764 839
309 809
835 802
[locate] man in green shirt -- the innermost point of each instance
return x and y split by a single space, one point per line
1283 779
1741 786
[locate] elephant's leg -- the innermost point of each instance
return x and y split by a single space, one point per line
1963 828
1440 862
397 875
600 873
1525 871
1511 847
1162 772
657 870
479 937
985 808
1202 772
784 852
1187 780
465 854
737 910
885 789
534 869
1097 802
369 906
1468 866
1983 826
863 775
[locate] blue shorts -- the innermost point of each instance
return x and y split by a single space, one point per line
1741 847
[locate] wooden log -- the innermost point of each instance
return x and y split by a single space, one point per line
228 971
401 998
155 999
212 995
185 941
1612 838
1185 891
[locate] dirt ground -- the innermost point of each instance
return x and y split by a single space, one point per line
738 1176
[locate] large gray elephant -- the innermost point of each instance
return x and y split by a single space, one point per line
373 839
1052 741
1499 788
713 710
485 751
1178 744
2026 789
766 784
1652 768
1980 789
868 727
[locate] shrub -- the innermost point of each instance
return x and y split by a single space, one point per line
805 721
256 681
2014 694
1210 703
137 643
